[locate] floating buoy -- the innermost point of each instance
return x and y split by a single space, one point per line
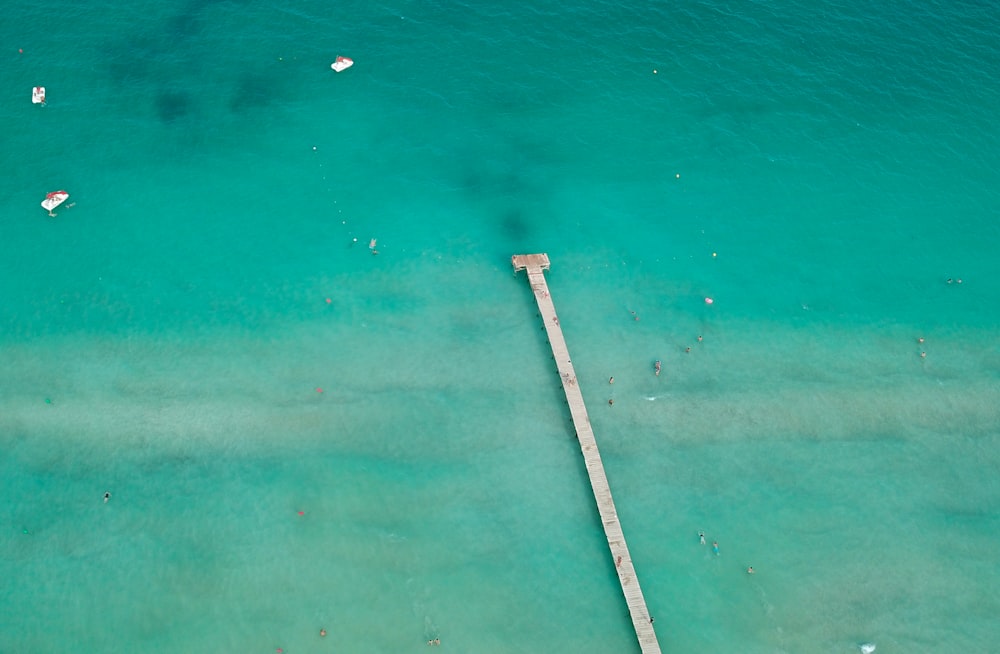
342 63
302 512
38 95
319 390
709 300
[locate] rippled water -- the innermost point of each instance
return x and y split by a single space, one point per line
300 435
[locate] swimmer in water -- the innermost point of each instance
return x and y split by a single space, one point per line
656 367
107 496
701 537
715 547
750 570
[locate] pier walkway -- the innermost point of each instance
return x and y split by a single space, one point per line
535 264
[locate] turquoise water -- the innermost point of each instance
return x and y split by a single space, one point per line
819 170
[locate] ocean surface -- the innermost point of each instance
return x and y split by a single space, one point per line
298 434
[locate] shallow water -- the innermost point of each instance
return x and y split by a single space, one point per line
820 171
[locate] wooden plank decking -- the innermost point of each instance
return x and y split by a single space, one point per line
535 264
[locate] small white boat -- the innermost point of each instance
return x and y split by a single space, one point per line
342 63
38 95
53 200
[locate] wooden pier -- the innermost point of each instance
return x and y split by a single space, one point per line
535 264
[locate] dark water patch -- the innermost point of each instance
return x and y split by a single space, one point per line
970 514
188 22
129 62
514 226
492 180
172 106
183 25
254 91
